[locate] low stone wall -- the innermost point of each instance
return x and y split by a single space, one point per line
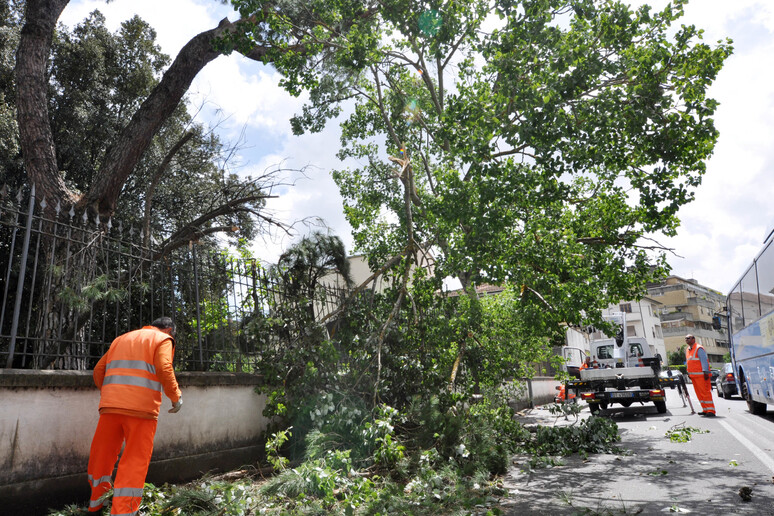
47 420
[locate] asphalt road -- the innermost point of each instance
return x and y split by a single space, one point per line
703 476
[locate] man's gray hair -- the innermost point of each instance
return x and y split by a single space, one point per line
163 323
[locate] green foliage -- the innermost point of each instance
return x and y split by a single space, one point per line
592 435
205 497
380 434
681 367
566 410
11 14
98 289
683 434
274 445
91 104
676 358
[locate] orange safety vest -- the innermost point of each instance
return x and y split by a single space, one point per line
130 380
562 393
692 361
702 387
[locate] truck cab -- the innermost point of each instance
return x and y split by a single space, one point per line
633 353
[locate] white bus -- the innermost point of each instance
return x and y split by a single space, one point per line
750 311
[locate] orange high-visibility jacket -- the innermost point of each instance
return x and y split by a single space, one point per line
692 360
134 371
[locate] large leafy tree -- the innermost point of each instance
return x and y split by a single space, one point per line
541 143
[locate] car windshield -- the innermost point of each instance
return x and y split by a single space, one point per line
605 351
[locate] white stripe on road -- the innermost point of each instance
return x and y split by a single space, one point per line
759 454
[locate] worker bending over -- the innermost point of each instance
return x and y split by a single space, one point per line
130 377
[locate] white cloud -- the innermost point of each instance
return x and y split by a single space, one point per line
248 93
314 201
723 229
175 21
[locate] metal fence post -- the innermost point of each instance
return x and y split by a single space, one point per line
198 315
20 284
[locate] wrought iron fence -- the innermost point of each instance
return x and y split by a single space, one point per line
71 284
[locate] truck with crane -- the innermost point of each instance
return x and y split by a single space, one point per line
624 372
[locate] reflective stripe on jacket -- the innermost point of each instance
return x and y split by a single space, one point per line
131 381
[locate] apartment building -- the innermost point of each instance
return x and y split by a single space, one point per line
642 320
687 307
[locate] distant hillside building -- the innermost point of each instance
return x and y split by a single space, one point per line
686 307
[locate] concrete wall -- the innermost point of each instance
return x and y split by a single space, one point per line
47 419
538 391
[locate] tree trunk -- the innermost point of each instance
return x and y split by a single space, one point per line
36 139
135 138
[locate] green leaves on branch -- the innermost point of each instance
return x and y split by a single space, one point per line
542 151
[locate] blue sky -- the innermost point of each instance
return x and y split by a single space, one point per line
721 230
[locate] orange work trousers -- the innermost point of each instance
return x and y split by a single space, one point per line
703 389
112 431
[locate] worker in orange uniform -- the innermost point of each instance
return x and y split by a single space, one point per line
559 398
130 377
589 364
698 369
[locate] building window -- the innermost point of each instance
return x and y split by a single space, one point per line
626 307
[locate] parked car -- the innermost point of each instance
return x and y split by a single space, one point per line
676 373
726 382
670 372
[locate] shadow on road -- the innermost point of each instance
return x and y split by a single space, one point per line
655 476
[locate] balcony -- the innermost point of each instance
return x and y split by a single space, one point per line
676 316
717 335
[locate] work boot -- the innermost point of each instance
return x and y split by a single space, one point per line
709 414
702 413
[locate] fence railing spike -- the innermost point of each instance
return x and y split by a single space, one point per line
96 219
71 212
58 208
109 224
19 196
43 204
85 217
